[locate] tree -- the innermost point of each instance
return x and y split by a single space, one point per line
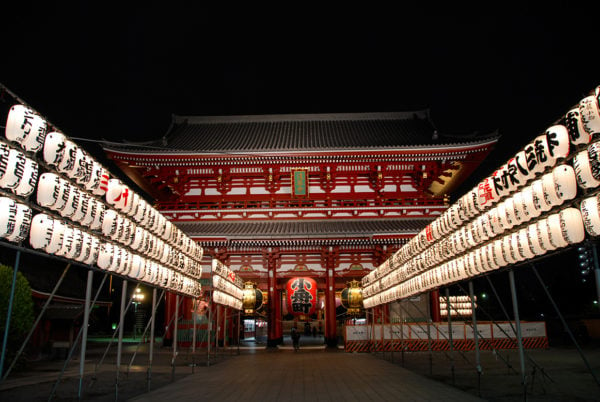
21 319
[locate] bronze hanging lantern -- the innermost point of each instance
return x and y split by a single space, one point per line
252 298
352 298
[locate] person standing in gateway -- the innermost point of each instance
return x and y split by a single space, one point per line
295 338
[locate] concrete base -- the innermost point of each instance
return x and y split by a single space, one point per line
272 343
331 342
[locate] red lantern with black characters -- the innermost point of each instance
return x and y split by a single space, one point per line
301 296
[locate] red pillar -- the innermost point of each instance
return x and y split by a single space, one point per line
434 302
330 321
169 317
275 332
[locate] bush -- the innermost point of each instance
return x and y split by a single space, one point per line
21 319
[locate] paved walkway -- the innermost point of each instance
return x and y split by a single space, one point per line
307 375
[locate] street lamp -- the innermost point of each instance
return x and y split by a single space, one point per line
138 297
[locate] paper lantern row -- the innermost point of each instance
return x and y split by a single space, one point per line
220 269
18 173
466 305
578 127
71 160
119 260
456 299
556 231
123 199
55 237
226 286
227 300
541 195
459 312
15 220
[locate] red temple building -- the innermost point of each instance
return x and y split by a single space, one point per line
326 196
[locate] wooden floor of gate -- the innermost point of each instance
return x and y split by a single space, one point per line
306 375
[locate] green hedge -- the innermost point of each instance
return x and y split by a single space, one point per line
21 319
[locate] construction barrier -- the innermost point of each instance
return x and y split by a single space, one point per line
413 337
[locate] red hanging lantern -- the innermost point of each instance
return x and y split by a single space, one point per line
301 296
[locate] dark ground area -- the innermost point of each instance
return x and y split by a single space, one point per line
560 374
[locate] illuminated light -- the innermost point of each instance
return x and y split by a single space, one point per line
8 215
25 127
571 225
591 215
15 164
590 115
582 163
577 133
40 234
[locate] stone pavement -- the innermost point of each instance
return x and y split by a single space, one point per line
306 375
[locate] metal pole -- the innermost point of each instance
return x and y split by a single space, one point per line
9 311
401 332
152 326
450 335
225 311
564 323
86 318
194 302
239 330
37 320
429 346
475 337
209 332
513 292
596 270
120 341
175 325
68 359
218 331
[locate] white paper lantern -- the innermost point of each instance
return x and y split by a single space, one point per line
67 241
81 209
8 216
565 182
525 247
590 115
25 127
571 224
54 148
48 190
530 208
550 195
556 237
57 239
557 139
105 256
517 172
94 251
86 247
28 180
14 170
98 216
70 154
41 231
90 210
519 208
117 261
75 250
75 166
71 205
586 165
22 224
591 215
535 243
109 223
577 134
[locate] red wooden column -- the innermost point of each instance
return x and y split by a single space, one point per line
434 302
330 321
275 331
169 315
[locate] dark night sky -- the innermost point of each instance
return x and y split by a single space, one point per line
120 74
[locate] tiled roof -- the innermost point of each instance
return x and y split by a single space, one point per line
301 132
303 229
